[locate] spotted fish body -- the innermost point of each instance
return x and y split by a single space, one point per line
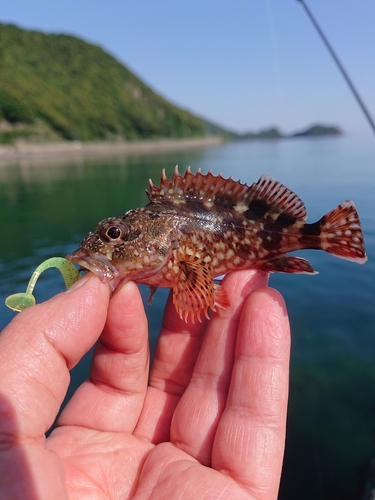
197 227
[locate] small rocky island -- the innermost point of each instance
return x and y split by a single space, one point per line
317 130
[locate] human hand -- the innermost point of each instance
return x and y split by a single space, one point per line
208 422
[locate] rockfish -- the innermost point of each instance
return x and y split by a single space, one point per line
197 227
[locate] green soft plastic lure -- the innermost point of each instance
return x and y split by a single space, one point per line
20 301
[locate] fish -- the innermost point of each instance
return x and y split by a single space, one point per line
197 227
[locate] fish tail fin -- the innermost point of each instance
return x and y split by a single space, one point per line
341 233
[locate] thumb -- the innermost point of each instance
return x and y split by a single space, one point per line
41 345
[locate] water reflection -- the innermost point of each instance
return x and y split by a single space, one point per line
47 208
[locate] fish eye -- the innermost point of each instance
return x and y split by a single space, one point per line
113 232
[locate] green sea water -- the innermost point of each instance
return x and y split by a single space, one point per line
46 208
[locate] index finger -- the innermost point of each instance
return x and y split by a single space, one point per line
41 345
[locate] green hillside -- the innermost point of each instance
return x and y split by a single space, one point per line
60 87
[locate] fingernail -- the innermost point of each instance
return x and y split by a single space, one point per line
78 283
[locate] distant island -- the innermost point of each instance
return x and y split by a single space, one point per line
318 130
314 131
60 88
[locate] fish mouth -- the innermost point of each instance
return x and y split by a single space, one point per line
101 266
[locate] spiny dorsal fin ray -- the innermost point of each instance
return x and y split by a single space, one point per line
266 192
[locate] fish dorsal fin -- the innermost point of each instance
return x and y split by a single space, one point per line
208 188
270 193
197 187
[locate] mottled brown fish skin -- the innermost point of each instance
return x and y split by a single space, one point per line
198 227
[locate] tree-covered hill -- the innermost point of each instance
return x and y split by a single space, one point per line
60 87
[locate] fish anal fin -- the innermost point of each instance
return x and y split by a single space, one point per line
193 289
287 264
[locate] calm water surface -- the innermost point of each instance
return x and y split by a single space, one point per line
46 209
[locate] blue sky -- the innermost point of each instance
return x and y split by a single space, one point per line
243 64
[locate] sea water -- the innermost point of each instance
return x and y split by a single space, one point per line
47 207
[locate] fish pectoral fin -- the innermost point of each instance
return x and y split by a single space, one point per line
287 264
193 290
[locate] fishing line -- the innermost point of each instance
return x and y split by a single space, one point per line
340 66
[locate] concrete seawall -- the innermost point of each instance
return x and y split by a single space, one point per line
22 150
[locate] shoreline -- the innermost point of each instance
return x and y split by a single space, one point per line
21 151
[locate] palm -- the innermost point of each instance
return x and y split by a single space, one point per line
107 467
198 428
